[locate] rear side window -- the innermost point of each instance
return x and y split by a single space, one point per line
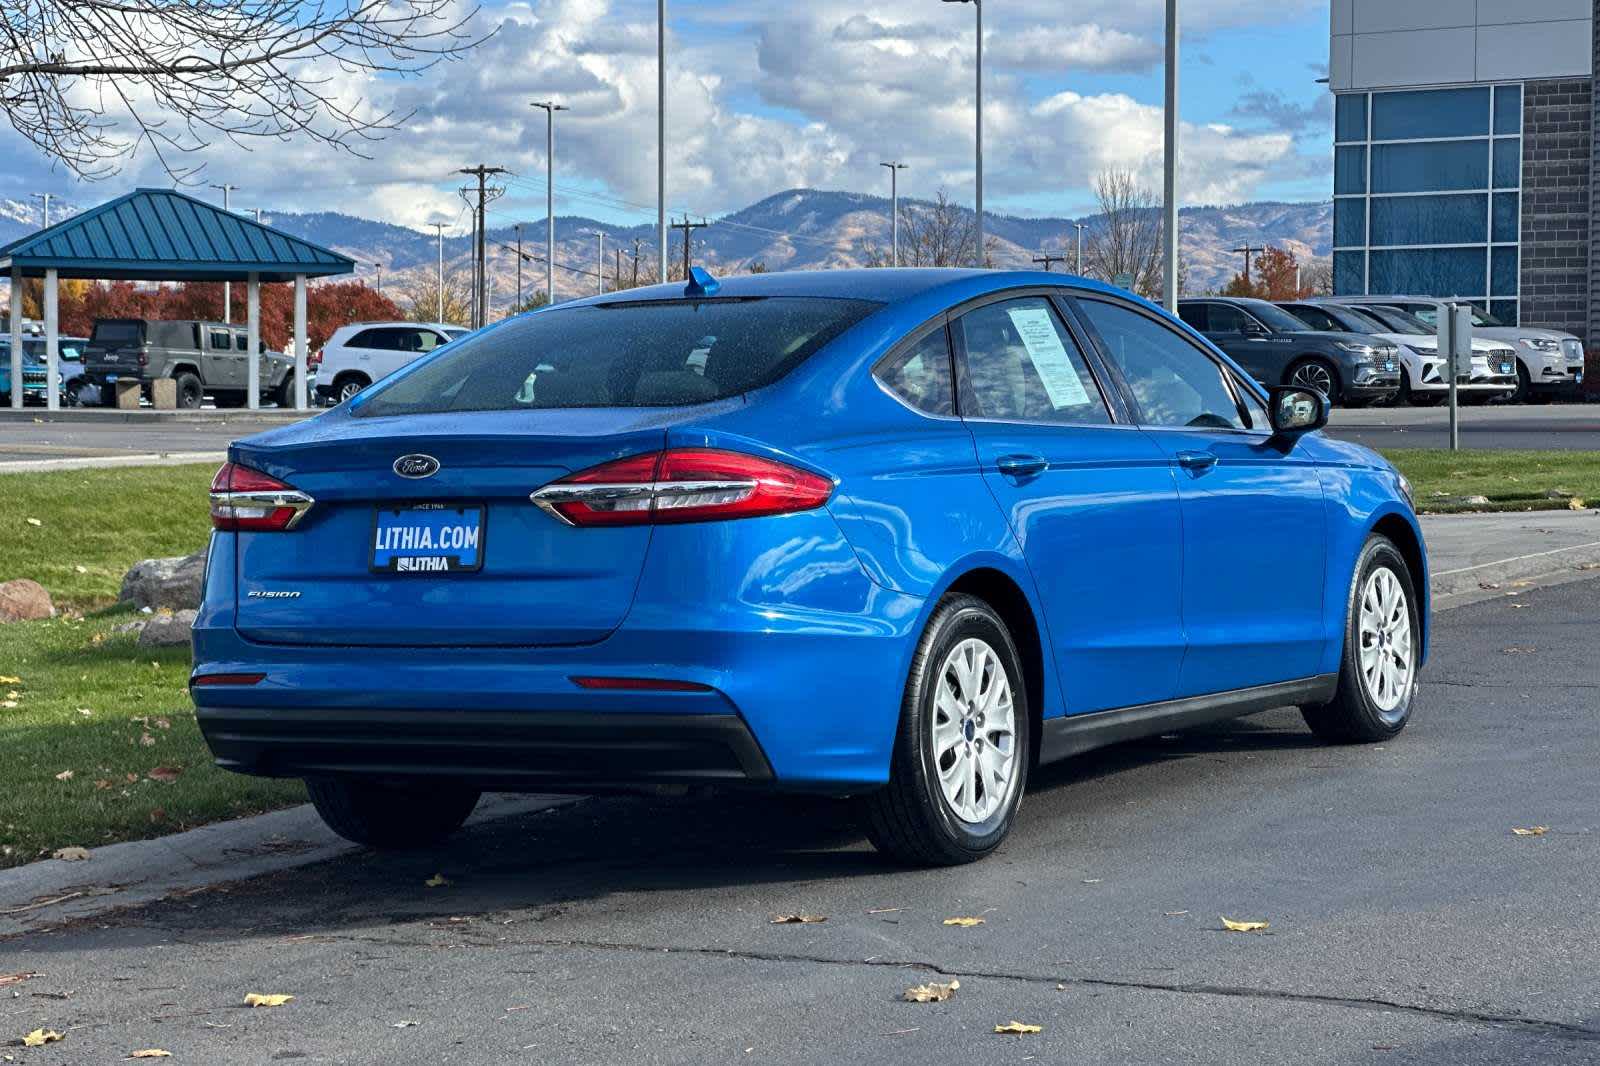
1316 318
1193 315
920 374
221 340
377 339
637 354
1226 318
241 342
1022 365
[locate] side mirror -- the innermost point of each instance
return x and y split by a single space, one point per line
1295 410
1251 328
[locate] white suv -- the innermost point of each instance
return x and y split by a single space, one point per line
362 352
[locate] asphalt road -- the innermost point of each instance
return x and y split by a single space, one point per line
1407 923
1574 427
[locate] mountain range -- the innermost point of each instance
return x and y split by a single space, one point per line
791 230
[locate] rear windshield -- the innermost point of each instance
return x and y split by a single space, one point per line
646 354
118 333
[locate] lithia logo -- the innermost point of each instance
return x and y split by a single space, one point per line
271 594
416 466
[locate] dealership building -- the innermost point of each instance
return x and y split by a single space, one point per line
1464 165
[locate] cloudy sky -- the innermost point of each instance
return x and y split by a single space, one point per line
765 95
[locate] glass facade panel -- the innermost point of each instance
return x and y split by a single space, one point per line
1350 117
1349 273
1349 170
1504 310
1404 116
1433 271
1349 223
1507 162
1459 219
1503 272
1428 167
1507 219
1507 109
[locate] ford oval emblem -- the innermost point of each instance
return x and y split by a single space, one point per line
416 466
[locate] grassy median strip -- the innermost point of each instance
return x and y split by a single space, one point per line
1510 480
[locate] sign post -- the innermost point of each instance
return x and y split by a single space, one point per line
1455 344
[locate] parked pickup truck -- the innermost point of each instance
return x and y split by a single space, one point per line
204 358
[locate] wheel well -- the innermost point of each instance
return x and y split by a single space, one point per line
1311 357
351 375
1001 593
185 368
1399 531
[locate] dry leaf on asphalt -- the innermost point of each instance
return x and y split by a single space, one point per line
164 773
15 978
65 775
965 923
1532 831
405 1024
72 854
150 1053
257 999
799 919
1019 1028
41 1037
1242 927
437 881
931 992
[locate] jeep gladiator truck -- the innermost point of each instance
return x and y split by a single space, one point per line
204 358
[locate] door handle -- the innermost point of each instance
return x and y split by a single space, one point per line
1021 466
1197 461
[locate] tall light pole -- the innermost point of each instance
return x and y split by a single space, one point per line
227 289
978 8
379 268
549 107
438 228
1169 207
1077 267
661 133
894 204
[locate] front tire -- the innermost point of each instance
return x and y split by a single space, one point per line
960 760
1316 374
1382 643
391 818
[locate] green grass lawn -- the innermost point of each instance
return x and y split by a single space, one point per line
1512 480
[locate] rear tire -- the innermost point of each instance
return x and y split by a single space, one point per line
391 818
191 394
1378 670
961 753
347 386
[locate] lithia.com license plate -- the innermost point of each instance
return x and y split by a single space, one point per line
428 538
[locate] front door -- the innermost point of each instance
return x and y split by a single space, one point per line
1254 521
1091 501
1244 338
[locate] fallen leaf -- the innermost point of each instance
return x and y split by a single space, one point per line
65 775
965 923
41 1037
437 881
405 1024
150 1053
257 999
1243 927
8 680
8 704
34 522
799 919
161 723
71 854
15 978
164 773
1532 831
86 712
1019 1028
80 569
1576 504
102 784
931 992
146 740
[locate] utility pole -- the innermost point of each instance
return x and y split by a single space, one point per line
688 229
549 107
481 172
1248 250
661 134
46 198
894 205
1169 197
1078 266
616 279
1046 259
518 228
438 228
227 289
379 268
636 243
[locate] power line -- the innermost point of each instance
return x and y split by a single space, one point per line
481 172
688 232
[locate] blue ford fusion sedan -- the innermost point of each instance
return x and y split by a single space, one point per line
899 535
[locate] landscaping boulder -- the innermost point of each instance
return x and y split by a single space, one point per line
165 629
165 584
23 601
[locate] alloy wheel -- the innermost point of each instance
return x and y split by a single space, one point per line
1313 376
348 390
1387 651
974 732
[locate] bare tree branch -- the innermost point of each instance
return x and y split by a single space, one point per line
90 81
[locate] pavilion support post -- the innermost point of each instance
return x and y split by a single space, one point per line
300 342
16 338
253 332
52 342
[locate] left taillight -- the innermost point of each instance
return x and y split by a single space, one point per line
682 485
244 499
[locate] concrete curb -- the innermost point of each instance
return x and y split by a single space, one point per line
109 416
53 891
100 462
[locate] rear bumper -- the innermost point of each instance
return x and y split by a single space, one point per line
492 750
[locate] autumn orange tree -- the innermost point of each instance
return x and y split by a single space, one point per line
1275 275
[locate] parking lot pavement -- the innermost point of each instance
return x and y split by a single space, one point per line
37 436
1408 923
1567 427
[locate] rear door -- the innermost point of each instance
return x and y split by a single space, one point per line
1090 499
1242 336
1254 529
220 366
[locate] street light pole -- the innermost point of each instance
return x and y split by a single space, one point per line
549 107
439 231
661 133
227 289
46 198
1078 265
894 202
1169 207
978 7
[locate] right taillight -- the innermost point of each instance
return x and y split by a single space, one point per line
314 360
245 499
682 485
